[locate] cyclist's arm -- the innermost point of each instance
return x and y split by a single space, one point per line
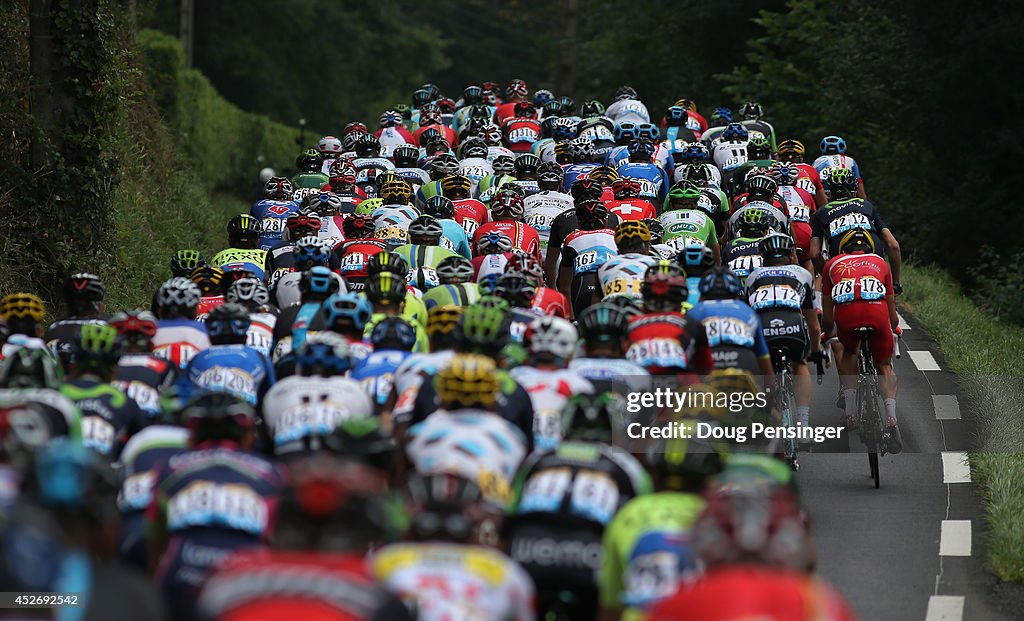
827 306
550 261
890 302
892 249
813 328
815 252
860 190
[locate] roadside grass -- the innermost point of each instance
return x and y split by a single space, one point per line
988 355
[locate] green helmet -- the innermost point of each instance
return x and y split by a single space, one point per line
753 223
184 261
367 207
29 368
493 301
98 342
684 190
482 329
593 418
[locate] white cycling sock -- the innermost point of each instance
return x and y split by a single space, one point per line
851 402
890 408
803 414
817 301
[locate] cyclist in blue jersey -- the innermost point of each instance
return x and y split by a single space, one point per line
273 211
217 498
315 285
581 151
229 365
603 328
696 259
733 328
652 178
393 339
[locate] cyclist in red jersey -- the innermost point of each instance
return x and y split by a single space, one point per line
522 129
469 212
357 249
801 207
626 204
515 92
663 340
857 292
507 210
430 118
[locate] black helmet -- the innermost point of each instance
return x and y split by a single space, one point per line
504 165
625 92
603 322
518 290
591 213
386 289
526 164
228 324
776 246
310 160
440 207
425 230
762 185
363 440
367 145
683 465
217 416
387 262
593 418
405 156
550 172
83 292
244 228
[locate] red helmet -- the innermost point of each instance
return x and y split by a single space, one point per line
525 110
507 206
516 88
355 126
624 187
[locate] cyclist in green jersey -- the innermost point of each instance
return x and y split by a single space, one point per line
425 250
457 287
387 292
310 163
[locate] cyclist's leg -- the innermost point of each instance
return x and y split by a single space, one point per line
848 318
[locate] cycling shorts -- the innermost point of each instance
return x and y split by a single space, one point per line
858 314
734 357
786 330
582 290
802 237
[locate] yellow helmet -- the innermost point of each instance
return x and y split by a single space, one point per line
395 189
605 175
22 305
451 183
732 381
856 237
686 104
443 319
630 229
469 380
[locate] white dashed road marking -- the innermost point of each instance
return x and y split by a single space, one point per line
903 322
945 608
947 407
955 539
955 468
924 361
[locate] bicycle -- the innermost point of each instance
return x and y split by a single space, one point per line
784 403
870 422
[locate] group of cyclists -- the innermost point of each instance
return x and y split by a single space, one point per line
398 391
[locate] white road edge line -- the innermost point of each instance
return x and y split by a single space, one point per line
947 407
924 361
945 608
955 468
955 539
903 322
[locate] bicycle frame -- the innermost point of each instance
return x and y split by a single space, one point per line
784 402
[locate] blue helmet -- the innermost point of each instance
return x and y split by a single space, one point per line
542 97
72 476
735 131
720 282
563 128
695 152
692 254
648 131
722 113
310 251
393 333
228 322
346 308
641 146
676 113
323 353
625 132
318 280
832 145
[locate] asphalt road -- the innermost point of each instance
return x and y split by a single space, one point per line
888 550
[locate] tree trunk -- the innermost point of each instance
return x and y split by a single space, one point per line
48 100
566 76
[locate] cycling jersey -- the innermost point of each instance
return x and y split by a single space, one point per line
447 132
309 181
826 163
272 215
56 412
449 581
832 221
612 374
462 294
391 223
575 172
648 553
624 274
415 176
260 335
734 333
144 378
520 134
421 255
688 223
800 206
470 214
735 592
179 340
299 409
858 285
632 209
391 137
587 251
285 292
209 502
427 191
628 111
475 444
241 259
376 372
782 287
808 178
541 209
523 236
667 343
412 313
206 304
237 370
728 156
651 177
742 256
777 219
454 238
549 391
551 302
109 416
62 337
476 168
488 268
353 256
144 452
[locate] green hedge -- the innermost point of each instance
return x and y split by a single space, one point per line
987 354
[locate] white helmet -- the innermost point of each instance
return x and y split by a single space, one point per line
329 146
552 335
266 174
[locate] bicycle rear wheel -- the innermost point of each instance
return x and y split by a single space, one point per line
786 407
868 408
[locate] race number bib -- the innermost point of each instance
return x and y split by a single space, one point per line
657 353
205 503
848 221
800 212
469 225
544 491
229 379
523 134
742 266
842 291
586 261
871 288
651 577
728 331
805 183
308 419
98 434
775 296
272 227
622 286
136 491
595 496
353 261
143 394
